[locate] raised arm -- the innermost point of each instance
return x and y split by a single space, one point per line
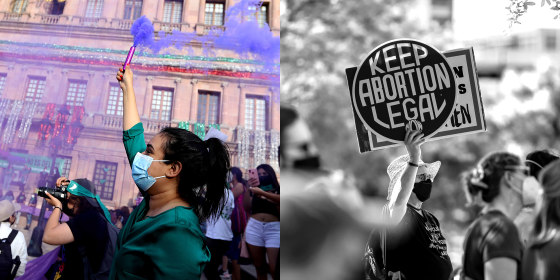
130 110
412 141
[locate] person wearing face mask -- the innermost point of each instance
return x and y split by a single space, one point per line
299 157
492 248
540 260
535 161
88 238
183 181
12 263
412 246
263 229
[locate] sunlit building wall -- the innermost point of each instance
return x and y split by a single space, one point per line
55 53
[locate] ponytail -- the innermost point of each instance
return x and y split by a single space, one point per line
202 181
216 187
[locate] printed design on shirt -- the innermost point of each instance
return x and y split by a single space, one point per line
437 241
226 211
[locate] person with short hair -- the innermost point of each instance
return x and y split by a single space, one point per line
18 245
540 260
492 247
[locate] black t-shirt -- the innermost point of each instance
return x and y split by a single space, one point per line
89 229
415 247
541 262
260 205
492 235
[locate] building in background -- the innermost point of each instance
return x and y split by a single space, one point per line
426 13
56 54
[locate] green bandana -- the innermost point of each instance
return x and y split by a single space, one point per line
78 190
267 188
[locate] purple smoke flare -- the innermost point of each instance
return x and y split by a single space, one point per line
143 32
240 33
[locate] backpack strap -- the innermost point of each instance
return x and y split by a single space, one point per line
16 261
12 236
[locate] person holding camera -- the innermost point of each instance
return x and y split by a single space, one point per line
88 238
183 181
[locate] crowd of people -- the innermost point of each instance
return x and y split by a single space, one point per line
194 213
514 236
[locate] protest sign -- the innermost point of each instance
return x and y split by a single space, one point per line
464 115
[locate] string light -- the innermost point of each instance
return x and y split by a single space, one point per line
274 144
259 147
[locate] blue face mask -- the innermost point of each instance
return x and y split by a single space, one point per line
140 174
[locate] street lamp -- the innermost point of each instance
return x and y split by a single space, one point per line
60 134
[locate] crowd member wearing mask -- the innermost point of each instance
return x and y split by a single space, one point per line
492 248
320 208
414 245
540 260
183 181
262 233
86 237
535 161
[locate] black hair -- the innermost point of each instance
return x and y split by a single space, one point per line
494 166
272 174
287 117
470 189
204 164
542 158
236 172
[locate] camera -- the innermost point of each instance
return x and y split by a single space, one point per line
60 193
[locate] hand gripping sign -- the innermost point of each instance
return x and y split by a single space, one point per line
405 83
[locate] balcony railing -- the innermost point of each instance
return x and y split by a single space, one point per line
115 23
170 26
91 21
238 131
121 23
9 16
51 19
203 29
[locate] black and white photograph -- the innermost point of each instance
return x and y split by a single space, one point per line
419 139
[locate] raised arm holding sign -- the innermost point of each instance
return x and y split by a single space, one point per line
413 243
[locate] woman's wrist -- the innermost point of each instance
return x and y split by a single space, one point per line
59 207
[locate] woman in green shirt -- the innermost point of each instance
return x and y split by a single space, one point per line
183 179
